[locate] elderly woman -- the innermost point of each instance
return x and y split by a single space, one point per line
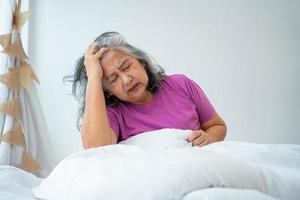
123 93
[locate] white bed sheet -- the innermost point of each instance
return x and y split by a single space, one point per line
13 189
226 194
161 165
281 160
16 184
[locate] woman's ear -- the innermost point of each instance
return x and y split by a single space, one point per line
106 91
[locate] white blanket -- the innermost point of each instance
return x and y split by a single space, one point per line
162 165
16 184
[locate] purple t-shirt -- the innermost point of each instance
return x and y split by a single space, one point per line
179 103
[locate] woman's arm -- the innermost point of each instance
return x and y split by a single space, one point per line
216 128
95 130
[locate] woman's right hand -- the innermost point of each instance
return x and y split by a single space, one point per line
92 62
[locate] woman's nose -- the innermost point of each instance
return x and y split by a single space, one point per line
126 79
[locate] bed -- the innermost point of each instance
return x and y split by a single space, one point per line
162 165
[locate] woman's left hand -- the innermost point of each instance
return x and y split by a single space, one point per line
200 138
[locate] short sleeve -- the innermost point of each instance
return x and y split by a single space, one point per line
204 108
113 121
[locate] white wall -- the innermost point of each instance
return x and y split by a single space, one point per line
244 54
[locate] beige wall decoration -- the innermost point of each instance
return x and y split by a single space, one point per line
15 49
11 108
20 75
14 136
17 77
28 163
5 40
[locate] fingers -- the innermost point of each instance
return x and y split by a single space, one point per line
194 135
203 144
90 49
93 52
100 52
198 138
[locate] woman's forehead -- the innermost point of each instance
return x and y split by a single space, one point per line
113 58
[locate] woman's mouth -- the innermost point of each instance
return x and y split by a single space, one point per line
133 88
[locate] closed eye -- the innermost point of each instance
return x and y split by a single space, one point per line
126 68
113 78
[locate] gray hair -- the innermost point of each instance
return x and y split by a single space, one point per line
113 40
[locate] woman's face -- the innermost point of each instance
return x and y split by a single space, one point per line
125 77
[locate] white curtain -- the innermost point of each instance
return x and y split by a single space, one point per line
32 119
6 10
